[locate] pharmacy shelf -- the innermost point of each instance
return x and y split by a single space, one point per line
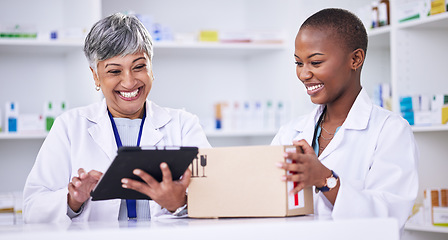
241 133
214 48
425 228
214 134
432 128
162 48
220 45
379 37
24 136
384 30
434 21
39 46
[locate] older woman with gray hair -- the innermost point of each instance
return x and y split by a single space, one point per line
83 141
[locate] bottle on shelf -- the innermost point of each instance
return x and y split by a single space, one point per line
236 117
257 116
218 116
383 13
11 116
375 15
280 114
63 108
269 116
49 115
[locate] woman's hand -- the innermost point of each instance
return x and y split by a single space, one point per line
168 193
306 168
80 187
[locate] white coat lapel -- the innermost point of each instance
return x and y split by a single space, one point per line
357 119
306 131
156 118
101 132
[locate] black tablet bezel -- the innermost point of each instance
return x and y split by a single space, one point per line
146 158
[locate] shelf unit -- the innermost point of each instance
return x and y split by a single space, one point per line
430 22
216 133
241 133
416 68
70 52
426 228
57 70
25 136
420 69
410 56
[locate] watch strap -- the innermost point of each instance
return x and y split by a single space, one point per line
325 188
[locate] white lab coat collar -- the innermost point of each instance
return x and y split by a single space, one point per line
307 129
103 135
359 115
357 119
156 118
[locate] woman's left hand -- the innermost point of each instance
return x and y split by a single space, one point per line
306 168
168 193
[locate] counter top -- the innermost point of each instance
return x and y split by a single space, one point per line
305 227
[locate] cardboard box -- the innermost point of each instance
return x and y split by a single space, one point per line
244 182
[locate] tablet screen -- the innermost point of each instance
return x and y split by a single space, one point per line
146 158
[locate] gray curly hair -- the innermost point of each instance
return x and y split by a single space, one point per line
117 34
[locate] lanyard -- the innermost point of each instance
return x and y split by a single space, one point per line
130 203
117 136
313 143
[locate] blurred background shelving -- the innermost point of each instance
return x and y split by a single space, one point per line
410 56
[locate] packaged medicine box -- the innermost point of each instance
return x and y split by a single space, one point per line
244 182
435 204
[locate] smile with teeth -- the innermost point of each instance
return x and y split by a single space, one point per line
314 87
130 94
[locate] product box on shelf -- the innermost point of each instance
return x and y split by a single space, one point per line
444 114
440 216
422 110
437 6
435 205
412 9
244 182
30 123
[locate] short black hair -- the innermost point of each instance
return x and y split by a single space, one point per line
346 26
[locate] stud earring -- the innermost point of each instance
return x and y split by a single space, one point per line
97 88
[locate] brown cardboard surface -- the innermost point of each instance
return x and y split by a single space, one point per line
242 182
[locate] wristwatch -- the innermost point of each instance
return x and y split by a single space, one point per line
330 183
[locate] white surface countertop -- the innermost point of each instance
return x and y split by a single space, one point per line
304 227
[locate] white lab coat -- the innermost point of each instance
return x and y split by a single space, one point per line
375 156
83 138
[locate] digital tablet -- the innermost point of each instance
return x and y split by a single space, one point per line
146 158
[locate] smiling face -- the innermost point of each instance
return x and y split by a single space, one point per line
325 67
125 82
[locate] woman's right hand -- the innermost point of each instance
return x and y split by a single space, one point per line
307 169
80 187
